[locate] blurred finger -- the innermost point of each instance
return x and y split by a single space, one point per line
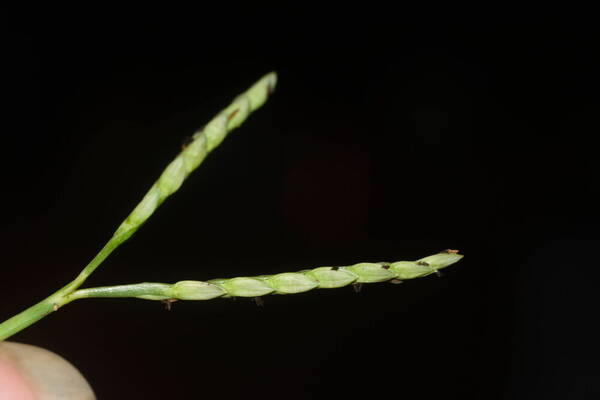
32 373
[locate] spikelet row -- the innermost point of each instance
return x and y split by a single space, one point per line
192 155
283 283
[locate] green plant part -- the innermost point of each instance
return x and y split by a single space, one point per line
190 157
283 283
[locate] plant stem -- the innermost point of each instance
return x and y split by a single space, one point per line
148 291
203 142
36 312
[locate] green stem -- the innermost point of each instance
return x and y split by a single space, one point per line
36 312
203 142
149 291
108 248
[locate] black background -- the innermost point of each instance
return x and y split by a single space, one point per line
388 138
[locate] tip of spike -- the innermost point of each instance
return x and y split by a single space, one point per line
442 259
271 79
449 251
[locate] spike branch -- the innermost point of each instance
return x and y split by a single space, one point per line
283 283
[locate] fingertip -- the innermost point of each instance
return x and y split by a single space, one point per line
13 385
29 372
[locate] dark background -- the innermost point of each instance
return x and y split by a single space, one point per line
388 138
